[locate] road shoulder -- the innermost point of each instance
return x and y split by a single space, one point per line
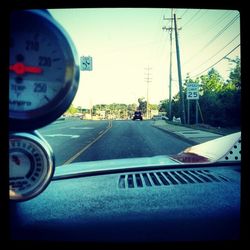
188 133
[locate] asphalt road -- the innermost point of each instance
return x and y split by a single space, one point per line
76 140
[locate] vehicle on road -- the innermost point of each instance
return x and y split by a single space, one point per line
189 196
137 116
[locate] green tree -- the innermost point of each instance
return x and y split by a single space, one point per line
131 109
142 105
163 106
153 106
71 110
220 100
235 74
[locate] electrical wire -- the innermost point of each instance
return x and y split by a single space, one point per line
218 51
214 38
212 26
184 13
216 62
191 18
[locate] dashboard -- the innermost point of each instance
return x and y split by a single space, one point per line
190 204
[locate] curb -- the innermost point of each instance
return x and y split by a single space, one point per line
193 142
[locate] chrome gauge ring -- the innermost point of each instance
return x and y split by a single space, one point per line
31 165
43 70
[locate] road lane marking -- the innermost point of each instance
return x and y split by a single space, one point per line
89 145
63 135
81 128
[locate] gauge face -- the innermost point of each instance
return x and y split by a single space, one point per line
31 166
43 70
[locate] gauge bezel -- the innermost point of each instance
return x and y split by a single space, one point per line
37 118
36 139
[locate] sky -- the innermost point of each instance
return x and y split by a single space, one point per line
131 50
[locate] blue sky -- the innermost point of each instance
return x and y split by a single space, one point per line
125 41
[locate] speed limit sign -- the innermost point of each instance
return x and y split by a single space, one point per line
192 91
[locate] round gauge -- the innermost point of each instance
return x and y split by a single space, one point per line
31 166
43 70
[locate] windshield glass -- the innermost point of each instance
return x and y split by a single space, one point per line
152 82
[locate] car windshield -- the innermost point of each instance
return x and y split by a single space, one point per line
125 124
178 68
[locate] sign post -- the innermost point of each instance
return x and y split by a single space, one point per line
193 94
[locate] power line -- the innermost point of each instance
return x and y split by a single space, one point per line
214 38
184 13
212 26
191 18
221 31
218 51
202 12
217 61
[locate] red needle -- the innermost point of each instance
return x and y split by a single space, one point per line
20 69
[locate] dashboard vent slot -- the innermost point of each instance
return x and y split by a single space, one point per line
167 178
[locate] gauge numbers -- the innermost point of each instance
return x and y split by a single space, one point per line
43 70
30 166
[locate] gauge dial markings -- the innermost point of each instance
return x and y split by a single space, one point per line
40 54
31 166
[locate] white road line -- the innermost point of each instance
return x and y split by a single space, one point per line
90 144
81 128
63 135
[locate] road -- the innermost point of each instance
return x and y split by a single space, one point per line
76 140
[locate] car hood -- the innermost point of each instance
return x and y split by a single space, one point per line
224 149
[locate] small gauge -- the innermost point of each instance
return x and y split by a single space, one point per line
43 70
31 165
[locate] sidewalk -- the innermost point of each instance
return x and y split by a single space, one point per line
193 136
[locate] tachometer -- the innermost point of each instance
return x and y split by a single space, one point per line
31 165
43 70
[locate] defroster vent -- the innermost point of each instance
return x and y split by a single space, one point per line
166 178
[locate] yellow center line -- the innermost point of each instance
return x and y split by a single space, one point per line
89 145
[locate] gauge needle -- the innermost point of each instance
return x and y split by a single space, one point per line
20 69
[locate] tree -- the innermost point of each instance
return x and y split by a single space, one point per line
219 100
153 106
164 105
235 74
72 110
131 109
211 82
142 105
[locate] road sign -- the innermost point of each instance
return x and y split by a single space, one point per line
86 63
192 91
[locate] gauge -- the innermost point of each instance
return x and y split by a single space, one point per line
43 70
31 165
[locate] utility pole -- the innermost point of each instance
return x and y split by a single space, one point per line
182 105
148 80
91 109
170 65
